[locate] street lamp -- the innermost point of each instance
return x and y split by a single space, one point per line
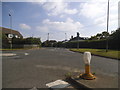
10 35
107 27
87 75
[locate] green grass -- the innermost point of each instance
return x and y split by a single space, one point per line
17 49
101 52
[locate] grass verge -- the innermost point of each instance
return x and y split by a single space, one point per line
100 52
18 49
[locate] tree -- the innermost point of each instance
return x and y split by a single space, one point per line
31 40
100 36
105 35
115 35
51 43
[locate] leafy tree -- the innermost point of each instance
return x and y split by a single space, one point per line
100 36
31 40
116 35
105 35
51 43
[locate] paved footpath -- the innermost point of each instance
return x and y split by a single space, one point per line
36 68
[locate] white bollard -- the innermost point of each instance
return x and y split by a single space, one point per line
87 75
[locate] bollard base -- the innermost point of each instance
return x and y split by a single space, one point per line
87 76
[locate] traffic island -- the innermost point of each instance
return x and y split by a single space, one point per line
102 81
90 80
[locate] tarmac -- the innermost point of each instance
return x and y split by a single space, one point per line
36 68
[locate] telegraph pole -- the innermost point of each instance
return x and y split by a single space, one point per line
107 27
48 37
65 36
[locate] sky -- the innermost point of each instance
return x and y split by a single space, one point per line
37 18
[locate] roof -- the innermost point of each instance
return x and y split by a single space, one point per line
9 31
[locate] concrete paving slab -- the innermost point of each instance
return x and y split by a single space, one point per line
102 81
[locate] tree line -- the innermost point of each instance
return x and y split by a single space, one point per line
97 41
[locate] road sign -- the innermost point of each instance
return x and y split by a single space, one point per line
10 35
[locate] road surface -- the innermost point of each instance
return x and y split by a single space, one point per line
36 68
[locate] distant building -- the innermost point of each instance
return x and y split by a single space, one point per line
78 38
8 32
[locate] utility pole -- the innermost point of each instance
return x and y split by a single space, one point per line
107 27
65 36
48 37
65 40
48 40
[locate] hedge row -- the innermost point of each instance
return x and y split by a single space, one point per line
99 44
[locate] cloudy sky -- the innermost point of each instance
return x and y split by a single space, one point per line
38 18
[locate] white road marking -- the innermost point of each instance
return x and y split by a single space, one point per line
7 54
26 54
57 84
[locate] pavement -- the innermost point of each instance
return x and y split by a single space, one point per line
36 68
101 81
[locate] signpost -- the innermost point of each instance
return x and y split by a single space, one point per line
10 35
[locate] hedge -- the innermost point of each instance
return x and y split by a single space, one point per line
99 44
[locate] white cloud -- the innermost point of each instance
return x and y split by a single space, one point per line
68 26
57 29
25 26
68 11
57 8
62 16
100 21
42 29
93 9
97 12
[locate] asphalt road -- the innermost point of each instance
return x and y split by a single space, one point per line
35 68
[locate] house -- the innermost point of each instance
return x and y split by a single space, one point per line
78 38
11 33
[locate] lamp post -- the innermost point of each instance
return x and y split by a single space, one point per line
107 27
87 75
10 35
